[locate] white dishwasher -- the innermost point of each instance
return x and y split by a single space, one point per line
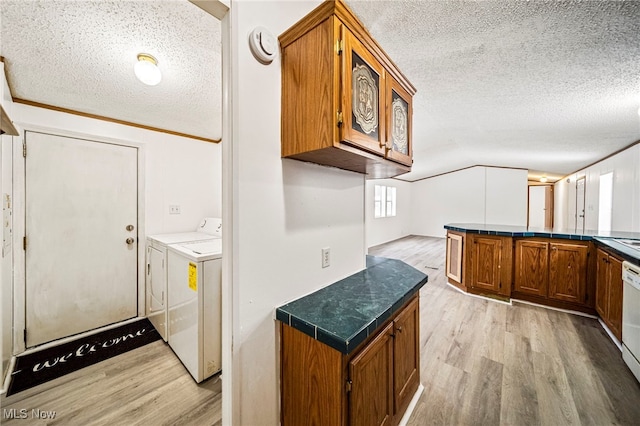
631 317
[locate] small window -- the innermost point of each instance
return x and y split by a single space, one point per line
605 202
384 202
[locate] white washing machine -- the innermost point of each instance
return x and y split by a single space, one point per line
195 305
156 279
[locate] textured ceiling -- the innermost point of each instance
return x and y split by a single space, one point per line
80 55
549 86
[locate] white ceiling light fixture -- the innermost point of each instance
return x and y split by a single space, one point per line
146 69
543 179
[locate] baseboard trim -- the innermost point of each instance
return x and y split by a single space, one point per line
412 406
7 377
566 311
479 296
614 339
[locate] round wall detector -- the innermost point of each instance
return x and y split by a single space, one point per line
263 44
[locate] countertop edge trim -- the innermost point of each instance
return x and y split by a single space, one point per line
346 346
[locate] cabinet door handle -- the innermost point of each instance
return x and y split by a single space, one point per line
399 329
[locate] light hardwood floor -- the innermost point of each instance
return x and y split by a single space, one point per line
146 386
488 363
483 363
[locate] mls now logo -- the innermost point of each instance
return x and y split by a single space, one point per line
14 413
22 413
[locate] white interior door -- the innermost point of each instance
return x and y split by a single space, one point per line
537 206
81 235
580 188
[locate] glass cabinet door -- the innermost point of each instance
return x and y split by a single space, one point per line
363 97
398 138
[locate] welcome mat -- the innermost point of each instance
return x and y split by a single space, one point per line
40 367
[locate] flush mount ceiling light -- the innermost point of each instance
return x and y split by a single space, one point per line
147 70
543 179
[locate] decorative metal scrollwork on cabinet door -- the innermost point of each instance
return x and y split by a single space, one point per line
365 95
399 124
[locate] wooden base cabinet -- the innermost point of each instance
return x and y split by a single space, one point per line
490 262
609 291
568 272
406 360
455 244
372 386
371 382
532 267
553 272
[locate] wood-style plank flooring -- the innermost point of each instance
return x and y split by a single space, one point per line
488 363
483 363
146 386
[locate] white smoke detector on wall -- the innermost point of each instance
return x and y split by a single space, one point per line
263 44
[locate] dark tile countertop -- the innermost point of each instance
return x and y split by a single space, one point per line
627 253
608 239
523 231
343 314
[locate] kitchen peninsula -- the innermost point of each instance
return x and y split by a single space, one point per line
350 352
578 271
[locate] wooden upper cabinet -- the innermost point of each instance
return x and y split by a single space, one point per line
532 259
568 272
344 102
398 145
363 97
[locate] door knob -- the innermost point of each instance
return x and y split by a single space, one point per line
129 228
129 240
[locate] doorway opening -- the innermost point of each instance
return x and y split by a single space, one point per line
580 205
540 213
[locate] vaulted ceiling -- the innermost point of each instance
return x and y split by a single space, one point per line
547 86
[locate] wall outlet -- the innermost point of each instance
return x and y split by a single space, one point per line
174 209
326 257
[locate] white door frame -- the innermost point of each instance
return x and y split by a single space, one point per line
584 203
19 284
221 9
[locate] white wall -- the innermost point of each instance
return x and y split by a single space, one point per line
6 293
453 197
6 189
506 193
626 192
178 170
175 170
284 213
537 206
383 229
561 203
475 195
